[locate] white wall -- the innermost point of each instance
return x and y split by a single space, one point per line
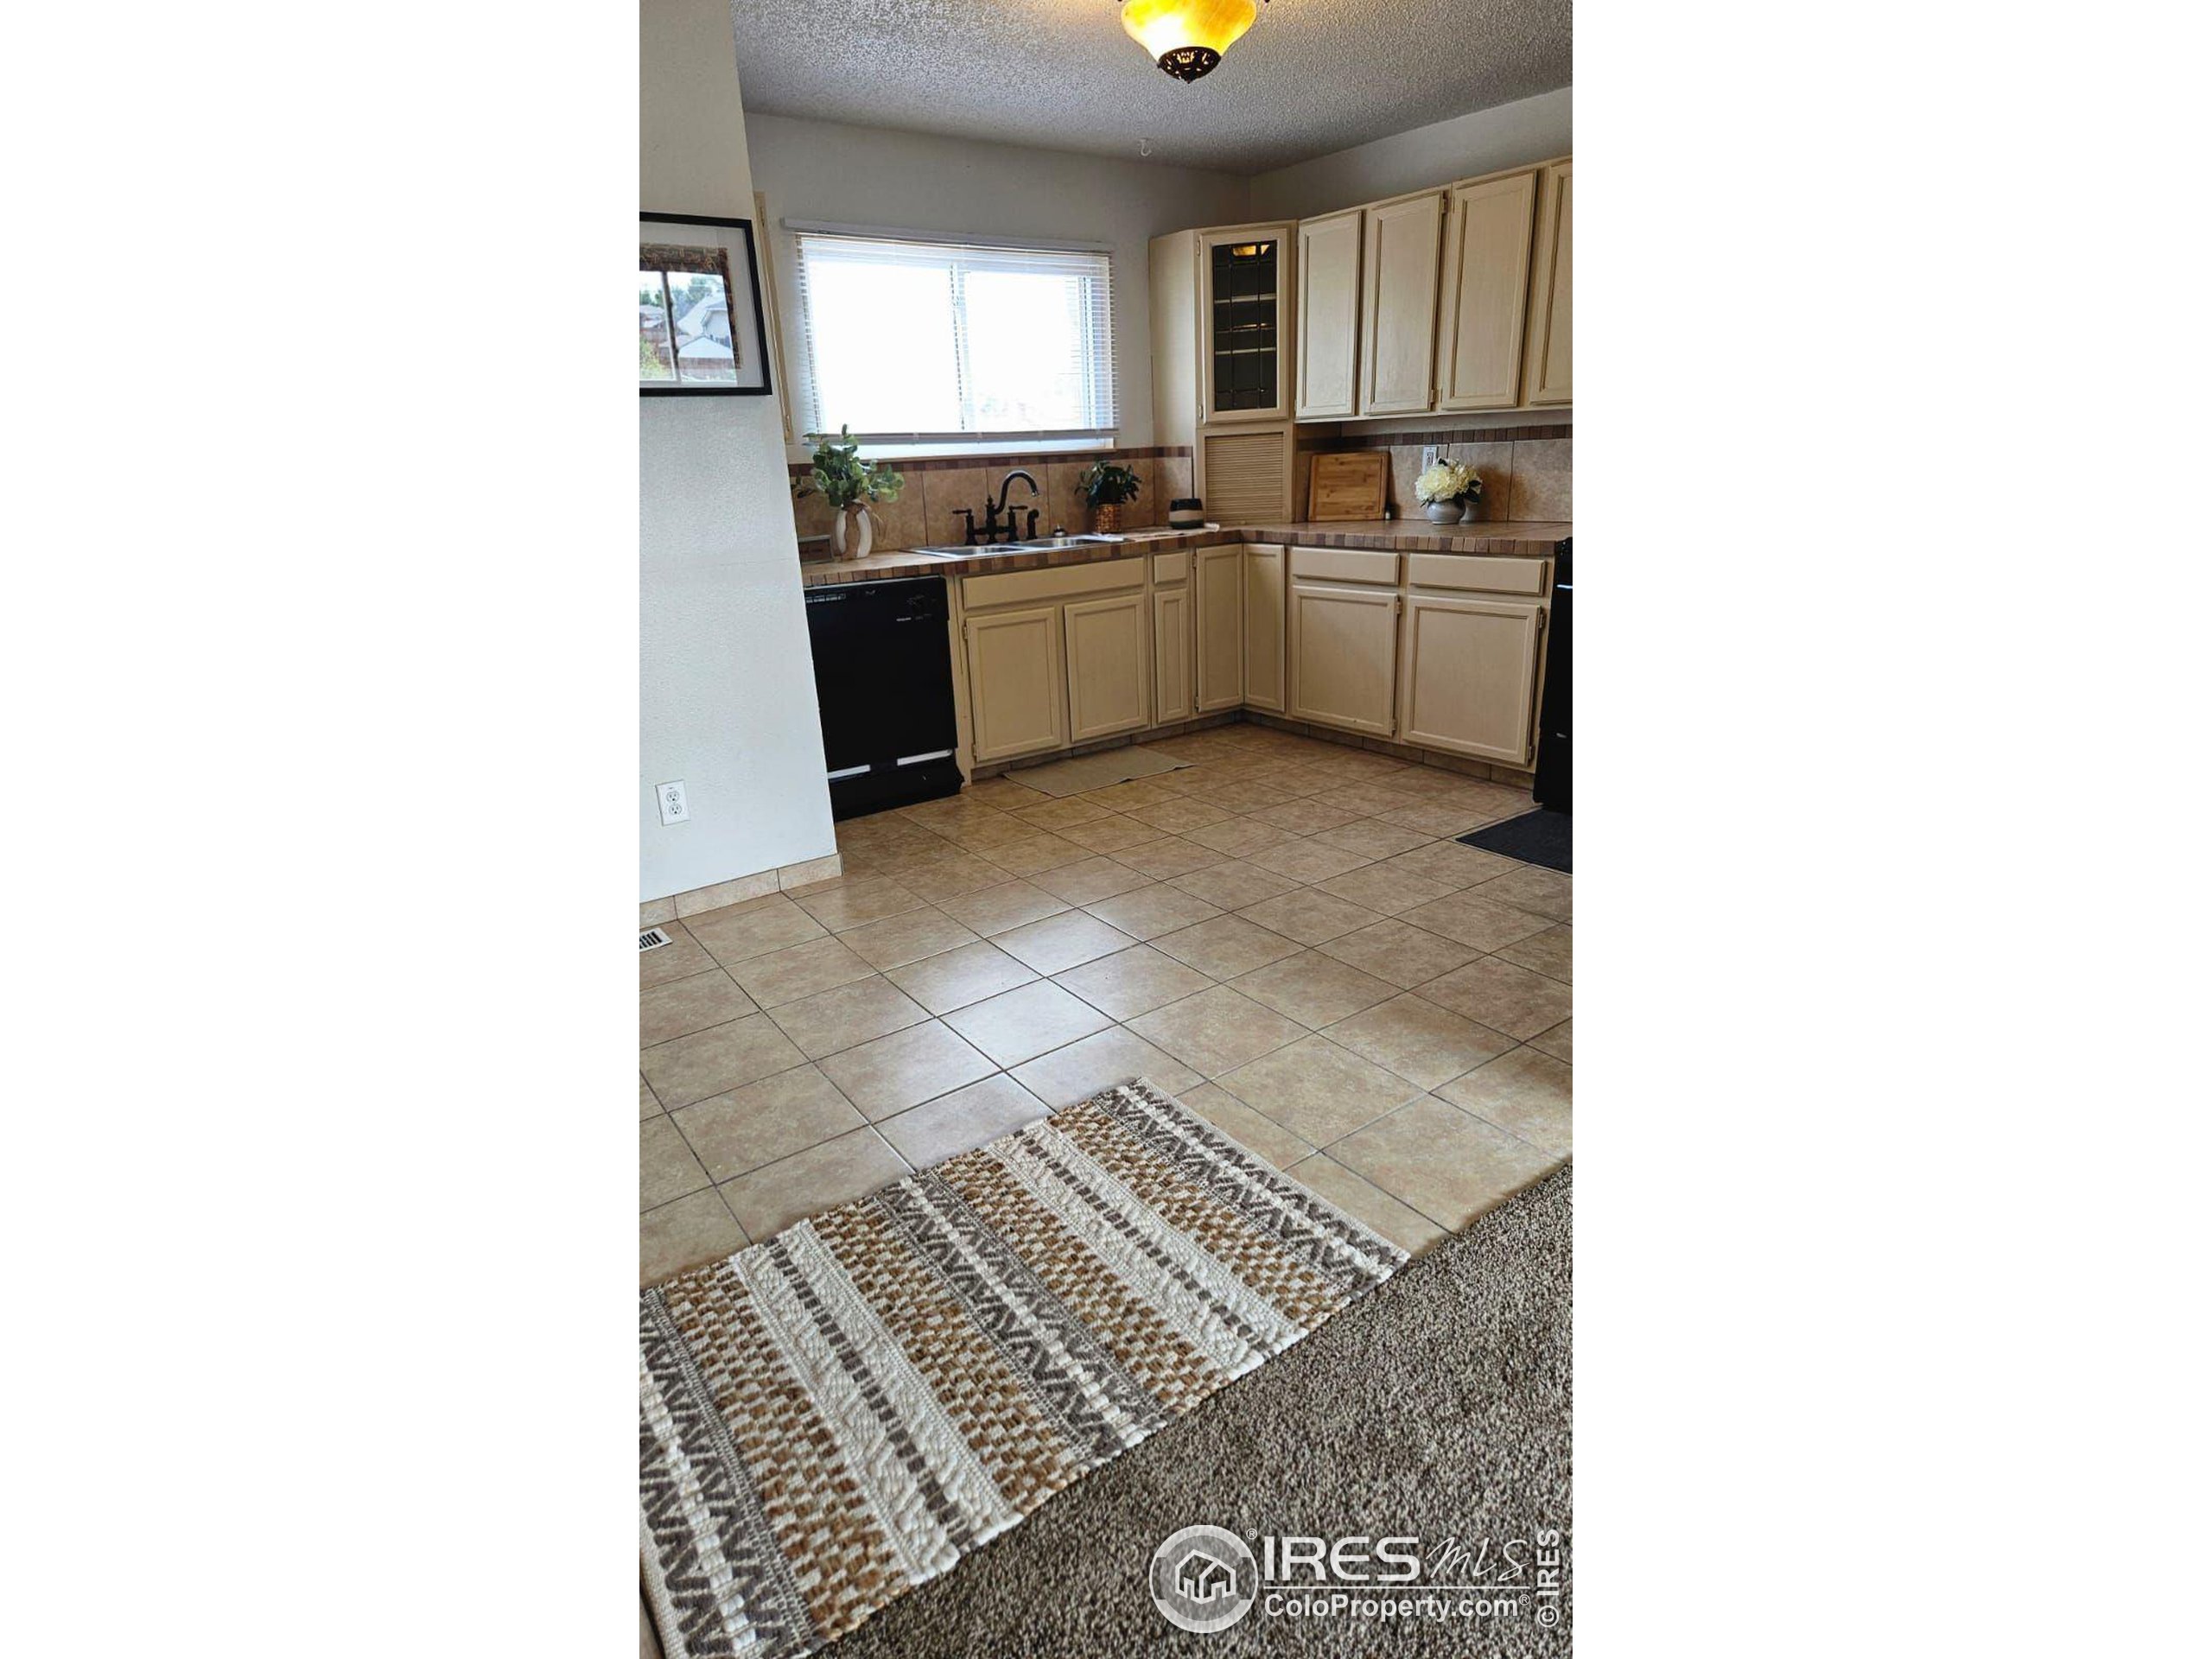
830 173
1532 130
727 694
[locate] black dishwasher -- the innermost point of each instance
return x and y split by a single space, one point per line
883 677
1555 726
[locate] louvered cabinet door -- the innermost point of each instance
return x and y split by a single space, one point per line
1244 477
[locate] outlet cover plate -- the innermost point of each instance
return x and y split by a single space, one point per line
672 807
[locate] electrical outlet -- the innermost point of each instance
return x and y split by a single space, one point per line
672 809
1430 455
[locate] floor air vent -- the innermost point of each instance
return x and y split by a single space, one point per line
652 938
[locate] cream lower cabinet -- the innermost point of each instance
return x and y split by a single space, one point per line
1110 663
1343 656
1170 653
1266 574
1468 682
1218 585
1015 682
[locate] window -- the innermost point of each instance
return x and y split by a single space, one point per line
683 329
926 341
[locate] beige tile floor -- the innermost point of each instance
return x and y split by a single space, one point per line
1281 933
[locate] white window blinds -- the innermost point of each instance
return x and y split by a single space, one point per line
933 340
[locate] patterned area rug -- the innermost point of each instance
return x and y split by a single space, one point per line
839 1413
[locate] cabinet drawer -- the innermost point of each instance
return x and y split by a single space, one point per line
1032 587
1345 564
1171 567
1474 574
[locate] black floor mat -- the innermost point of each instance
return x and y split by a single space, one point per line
1539 837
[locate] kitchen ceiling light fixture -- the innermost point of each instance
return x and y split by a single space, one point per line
1187 37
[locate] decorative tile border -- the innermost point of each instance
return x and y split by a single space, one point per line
1018 457
789 878
1353 437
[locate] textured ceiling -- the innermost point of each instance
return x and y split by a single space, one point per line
1312 76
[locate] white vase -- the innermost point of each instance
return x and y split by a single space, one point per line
854 543
1444 512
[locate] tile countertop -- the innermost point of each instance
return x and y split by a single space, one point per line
1520 540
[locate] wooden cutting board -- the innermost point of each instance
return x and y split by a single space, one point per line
1349 487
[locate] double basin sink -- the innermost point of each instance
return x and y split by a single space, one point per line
989 549
1043 543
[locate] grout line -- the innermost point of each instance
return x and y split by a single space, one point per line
914 851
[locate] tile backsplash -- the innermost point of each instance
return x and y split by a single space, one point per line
927 512
1527 473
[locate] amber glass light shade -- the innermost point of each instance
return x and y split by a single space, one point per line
1187 37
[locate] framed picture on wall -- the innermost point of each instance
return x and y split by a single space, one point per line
700 328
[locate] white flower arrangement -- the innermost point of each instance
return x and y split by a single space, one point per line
1447 482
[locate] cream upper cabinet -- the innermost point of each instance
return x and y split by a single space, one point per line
1398 303
1549 379
1109 666
1469 684
1343 656
1217 582
1244 323
1456 298
1265 579
1328 316
1170 653
1014 683
1485 292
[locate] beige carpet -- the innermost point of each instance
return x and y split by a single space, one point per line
1439 1407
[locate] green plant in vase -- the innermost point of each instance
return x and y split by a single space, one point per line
848 484
1105 486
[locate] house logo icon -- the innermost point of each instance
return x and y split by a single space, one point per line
1204 1580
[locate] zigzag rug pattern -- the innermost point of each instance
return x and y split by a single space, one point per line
830 1418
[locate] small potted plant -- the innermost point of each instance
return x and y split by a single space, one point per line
848 484
1105 486
1448 491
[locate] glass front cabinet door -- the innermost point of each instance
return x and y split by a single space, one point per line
1244 287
